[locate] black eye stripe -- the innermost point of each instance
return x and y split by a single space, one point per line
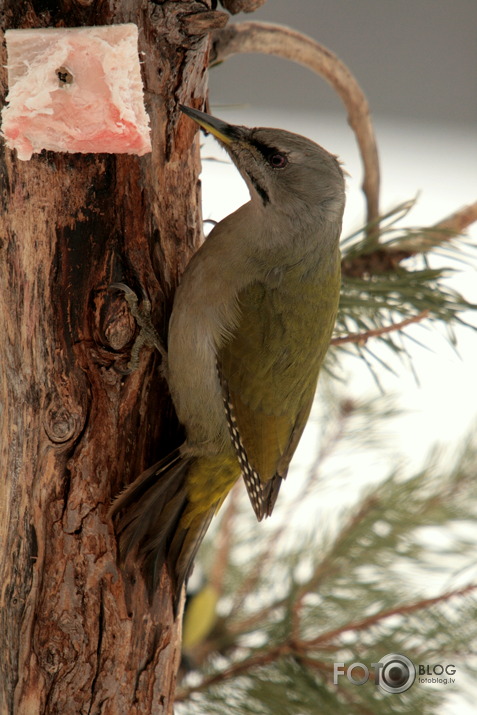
265 149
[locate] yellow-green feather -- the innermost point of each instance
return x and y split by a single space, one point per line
208 482
272 361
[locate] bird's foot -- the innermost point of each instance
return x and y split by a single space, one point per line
148 334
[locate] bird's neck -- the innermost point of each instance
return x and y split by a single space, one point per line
282 236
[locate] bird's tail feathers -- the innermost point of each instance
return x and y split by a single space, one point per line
150 524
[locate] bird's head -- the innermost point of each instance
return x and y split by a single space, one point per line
285 172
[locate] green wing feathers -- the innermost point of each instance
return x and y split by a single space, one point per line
269 370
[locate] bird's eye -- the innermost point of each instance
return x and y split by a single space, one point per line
277 160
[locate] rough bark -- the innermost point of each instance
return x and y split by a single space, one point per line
74 636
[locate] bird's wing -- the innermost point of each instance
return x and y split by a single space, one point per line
267 441
268 369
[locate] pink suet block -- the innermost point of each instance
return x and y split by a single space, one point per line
76 90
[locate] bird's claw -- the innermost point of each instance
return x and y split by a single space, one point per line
122 286
148 334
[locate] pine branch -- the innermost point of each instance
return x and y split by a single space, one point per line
320 620
367 257
399 610
302 649
363 337
445 230
377 290
259 659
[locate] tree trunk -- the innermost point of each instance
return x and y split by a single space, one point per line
75 636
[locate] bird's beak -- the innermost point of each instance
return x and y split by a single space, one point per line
226 133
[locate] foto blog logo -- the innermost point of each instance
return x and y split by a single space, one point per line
394 673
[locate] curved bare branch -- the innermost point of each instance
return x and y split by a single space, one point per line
266 38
